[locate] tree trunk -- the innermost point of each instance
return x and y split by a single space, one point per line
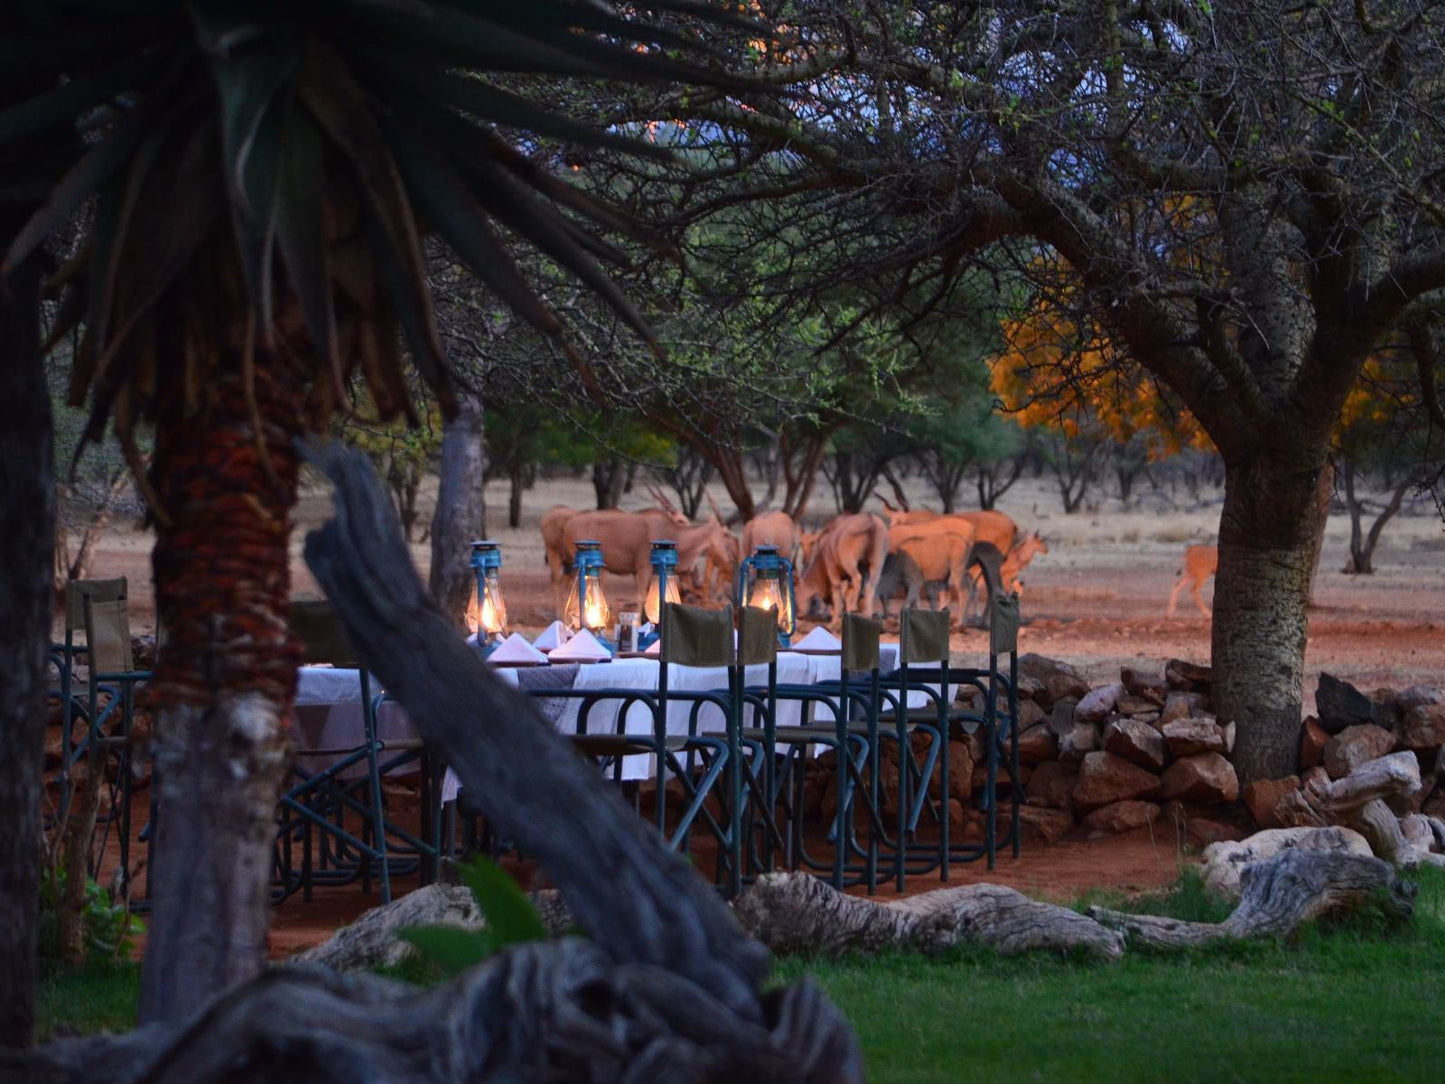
27 508
224 679
1324 497
1261 591
1362 543
461 511
516 479
609 476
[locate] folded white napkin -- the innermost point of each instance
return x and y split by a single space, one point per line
582 647
515 651
553 636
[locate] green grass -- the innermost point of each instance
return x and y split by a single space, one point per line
1361 999
100 996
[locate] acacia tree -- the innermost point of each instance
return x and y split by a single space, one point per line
1245 196
257 173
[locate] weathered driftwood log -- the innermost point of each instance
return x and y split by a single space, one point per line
1396 775
1359 800
796 912
1224 862
371 941
1278 895
669 986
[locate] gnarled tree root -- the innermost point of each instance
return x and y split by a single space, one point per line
540 1012
796 912
1277 896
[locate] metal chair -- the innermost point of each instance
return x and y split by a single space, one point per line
319 801
63 657
923 646
785 751
110 711
690 637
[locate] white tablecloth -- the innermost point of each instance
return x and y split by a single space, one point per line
329 700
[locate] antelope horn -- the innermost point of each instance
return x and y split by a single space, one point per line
713 505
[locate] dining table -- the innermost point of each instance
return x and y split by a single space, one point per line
329 712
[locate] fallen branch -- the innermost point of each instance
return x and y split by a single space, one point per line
1278 895
796 912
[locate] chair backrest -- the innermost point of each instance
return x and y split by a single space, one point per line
923 636
323 638
107 635
1003 630
757 636
860 642
692 636
77 591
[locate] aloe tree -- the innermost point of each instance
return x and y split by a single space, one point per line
256 177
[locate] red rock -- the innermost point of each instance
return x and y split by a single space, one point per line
1082 739
1048 824
960 772
1030 714
1261 796
1149 687
1038 743
1002 779
1312 741
1187 676
1204 777
1052 785
1423 726
1356 745
1137 742
1203 832
1187 737
1122 817
1099 704
1181 705
1059 679
1105 778
1136 706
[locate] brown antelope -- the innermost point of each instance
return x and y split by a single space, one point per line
627 539
1017 559
559 558
843 566
774 528
940 548
1200 563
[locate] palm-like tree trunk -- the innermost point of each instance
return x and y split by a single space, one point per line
224 680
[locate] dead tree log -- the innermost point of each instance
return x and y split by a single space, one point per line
371 941
668 986
1278 894
1359 801
796 912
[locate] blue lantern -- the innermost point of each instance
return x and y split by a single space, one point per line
765 580
489 620
663 587
586 604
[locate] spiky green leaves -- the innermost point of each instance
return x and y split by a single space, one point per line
298 144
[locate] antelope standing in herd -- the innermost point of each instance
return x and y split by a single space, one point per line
847 566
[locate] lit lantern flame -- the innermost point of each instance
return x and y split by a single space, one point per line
650 608
766 581
768 594
586 604
493 617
